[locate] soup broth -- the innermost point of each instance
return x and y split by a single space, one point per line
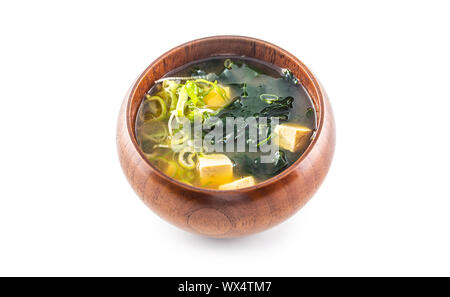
225 122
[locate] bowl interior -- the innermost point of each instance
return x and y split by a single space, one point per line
222 46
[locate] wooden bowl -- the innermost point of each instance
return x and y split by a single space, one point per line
230 213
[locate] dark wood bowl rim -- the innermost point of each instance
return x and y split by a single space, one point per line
278 177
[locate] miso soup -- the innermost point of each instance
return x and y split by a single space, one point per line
225 122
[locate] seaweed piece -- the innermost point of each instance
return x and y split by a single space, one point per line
253 166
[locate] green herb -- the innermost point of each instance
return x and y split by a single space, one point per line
193 92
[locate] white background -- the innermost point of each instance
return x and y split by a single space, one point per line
67 209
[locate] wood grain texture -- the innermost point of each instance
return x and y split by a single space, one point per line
237 212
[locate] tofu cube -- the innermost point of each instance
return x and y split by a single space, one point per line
215 169
292 137
238 184
214 100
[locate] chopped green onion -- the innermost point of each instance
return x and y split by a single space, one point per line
228 63
188 162
182 98
155 131
162 105
264 141
269 98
